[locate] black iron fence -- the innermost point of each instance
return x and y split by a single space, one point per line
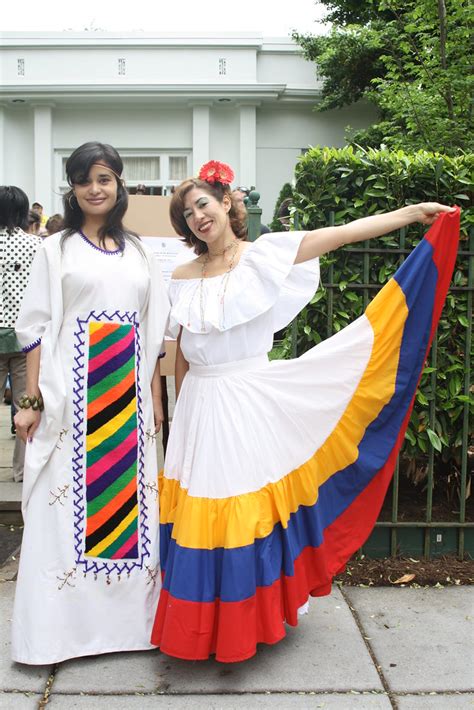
394 533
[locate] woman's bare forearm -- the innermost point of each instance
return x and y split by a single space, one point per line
32 371
321 241
181 366
156 382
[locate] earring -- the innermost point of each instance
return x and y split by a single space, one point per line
71 196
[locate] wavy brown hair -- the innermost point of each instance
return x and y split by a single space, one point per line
237 212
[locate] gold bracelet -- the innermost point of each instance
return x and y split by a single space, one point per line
27 401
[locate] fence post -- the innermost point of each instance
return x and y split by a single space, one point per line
254 213
466 392
330 287
294 323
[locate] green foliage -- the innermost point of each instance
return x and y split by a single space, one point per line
411 59
349 12
349 59
355 184
285 192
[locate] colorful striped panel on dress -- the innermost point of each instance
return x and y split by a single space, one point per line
268 550
111 443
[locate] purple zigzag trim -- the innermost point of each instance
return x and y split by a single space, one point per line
94 246
145 541
32 345
78 460
78 446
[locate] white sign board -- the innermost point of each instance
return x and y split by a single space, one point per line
171 252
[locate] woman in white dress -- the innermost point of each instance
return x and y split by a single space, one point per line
92 323
276 471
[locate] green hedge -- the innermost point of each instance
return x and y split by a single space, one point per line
355 183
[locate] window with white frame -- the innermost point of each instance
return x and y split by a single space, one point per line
159 171
141 168
178 167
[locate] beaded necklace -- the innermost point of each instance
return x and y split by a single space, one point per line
223 286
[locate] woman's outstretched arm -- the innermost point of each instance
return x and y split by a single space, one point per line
321 241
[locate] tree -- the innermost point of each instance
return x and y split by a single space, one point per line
286 193
412 60
354 12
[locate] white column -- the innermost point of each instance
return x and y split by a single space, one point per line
201 135
43 157
248 145
2 145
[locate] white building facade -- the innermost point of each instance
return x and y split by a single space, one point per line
167 103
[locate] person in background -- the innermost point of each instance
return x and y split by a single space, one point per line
33 225
7 395
239 195
38 207
17 250
54 224
284 213
141 189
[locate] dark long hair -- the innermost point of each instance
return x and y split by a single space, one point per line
14 208
78 167
237 212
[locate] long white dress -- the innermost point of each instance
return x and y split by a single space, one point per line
89 569
275 472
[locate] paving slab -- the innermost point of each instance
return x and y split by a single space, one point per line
10 541
7 444
19 701
422 638
325 653
10 492
6 457
15 676
9 570
464 701
281 701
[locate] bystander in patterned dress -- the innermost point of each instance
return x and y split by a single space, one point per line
89 576
17 251
275 472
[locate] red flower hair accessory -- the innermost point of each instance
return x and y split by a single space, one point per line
214 171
